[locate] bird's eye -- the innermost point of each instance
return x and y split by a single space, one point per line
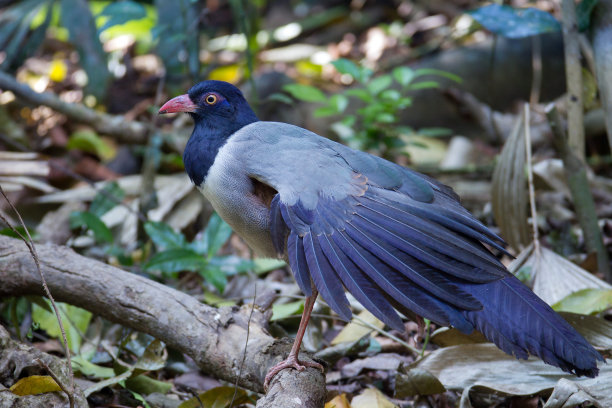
211 99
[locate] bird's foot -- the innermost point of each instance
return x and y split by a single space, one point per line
290 362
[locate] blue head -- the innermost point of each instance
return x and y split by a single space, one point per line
218 110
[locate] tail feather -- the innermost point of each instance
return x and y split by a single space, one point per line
520 323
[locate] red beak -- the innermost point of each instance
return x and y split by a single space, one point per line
181 103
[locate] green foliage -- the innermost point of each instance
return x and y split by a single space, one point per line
175 254
77 18
17 40
585 301
584 10
106 199
121 13
380 99
89 141
91 220
177 43
75 320
513 22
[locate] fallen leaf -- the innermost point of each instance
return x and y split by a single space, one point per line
35 384
339 401
372 398
355 330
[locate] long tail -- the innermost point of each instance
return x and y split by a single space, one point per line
520 323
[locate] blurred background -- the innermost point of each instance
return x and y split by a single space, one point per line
453 88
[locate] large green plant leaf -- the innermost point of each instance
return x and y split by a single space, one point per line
515 22
177 39
106 199
74 319
164 236
92 222
585 301
122 12
176 260
77 18
306 93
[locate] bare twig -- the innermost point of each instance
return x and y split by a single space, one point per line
532 204
57 380
112 125
32 248
536 64
246 343
573 75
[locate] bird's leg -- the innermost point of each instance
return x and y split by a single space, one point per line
292 359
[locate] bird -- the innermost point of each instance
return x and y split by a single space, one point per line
397 240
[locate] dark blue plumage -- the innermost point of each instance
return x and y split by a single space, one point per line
396 239
403 267
213 125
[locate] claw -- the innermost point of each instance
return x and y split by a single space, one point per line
291 362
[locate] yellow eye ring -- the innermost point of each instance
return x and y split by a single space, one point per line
211 99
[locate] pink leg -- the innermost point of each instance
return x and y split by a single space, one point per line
292 360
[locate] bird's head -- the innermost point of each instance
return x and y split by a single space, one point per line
212 102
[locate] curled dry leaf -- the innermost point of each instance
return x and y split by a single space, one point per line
554 277
485 368
508 190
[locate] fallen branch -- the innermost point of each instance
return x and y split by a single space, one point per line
213 338
113 125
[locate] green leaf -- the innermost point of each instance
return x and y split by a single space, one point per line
143 384
362 94
305 93
379 84
285 310
75 320
512 22
336 105
215 235
35 384
122 12
177 43
438 72
585 301
16 27
584 10
106 199
164 236
76 17
215 276
153 359
423 85
403 75
176 260
89 141
231 264
391 95
89 369
345 66
93 223
263 265
385 118
435 132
